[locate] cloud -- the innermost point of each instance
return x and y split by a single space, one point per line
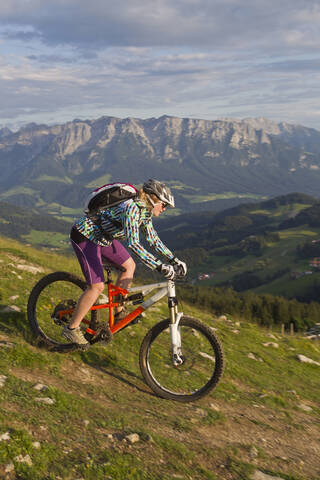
165 23
203 58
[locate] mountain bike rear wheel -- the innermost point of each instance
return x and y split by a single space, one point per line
203 361
53 293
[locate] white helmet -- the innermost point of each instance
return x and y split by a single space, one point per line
160 190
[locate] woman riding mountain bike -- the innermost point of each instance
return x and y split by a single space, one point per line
94 239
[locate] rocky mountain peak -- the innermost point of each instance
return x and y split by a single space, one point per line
225 155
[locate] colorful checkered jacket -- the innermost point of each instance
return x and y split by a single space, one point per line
124 222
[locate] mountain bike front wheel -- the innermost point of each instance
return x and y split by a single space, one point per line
55 292
202 355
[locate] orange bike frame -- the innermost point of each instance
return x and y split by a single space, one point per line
113 291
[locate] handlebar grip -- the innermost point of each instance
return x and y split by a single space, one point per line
178 270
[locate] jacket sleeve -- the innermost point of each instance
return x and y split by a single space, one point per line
154 241
131 216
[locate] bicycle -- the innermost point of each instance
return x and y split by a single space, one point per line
180 357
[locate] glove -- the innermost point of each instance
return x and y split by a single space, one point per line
167 271
182 266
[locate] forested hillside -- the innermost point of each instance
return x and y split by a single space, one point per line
266 247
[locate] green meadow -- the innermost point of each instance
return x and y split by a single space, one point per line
263 416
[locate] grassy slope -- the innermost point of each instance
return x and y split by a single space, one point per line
252 420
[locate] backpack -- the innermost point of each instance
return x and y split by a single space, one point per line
109 195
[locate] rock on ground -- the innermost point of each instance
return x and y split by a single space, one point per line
46 400
304 359
263 476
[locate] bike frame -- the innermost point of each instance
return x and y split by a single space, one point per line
165 289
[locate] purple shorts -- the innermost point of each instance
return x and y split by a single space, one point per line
90 255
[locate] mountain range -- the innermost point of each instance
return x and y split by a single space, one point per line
209 164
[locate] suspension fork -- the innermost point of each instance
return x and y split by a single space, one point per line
175 317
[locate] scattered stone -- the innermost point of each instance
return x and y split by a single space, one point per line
253 452
67 450
271 344
253 357
24 459
46 400
201 412
314 332
5 437
258 475
222 318
132 334
132 438
237 324
3 379
304 359
86 423
270 335
10 309
13 297
15 273
4 343
36 445
214 407
235 331
30 268
40 387
304 407
205 355
9 468
293 392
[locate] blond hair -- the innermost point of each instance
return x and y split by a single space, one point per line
144 197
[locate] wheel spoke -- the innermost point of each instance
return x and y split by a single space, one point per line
202 361
51 304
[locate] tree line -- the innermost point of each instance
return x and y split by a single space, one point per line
266 310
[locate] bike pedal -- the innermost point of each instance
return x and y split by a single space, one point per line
103 336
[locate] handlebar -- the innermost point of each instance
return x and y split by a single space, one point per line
179 272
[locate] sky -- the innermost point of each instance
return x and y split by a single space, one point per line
81 59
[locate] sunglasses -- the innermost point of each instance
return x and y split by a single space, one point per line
164 204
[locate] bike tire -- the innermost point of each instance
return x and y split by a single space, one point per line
44 297
202 350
